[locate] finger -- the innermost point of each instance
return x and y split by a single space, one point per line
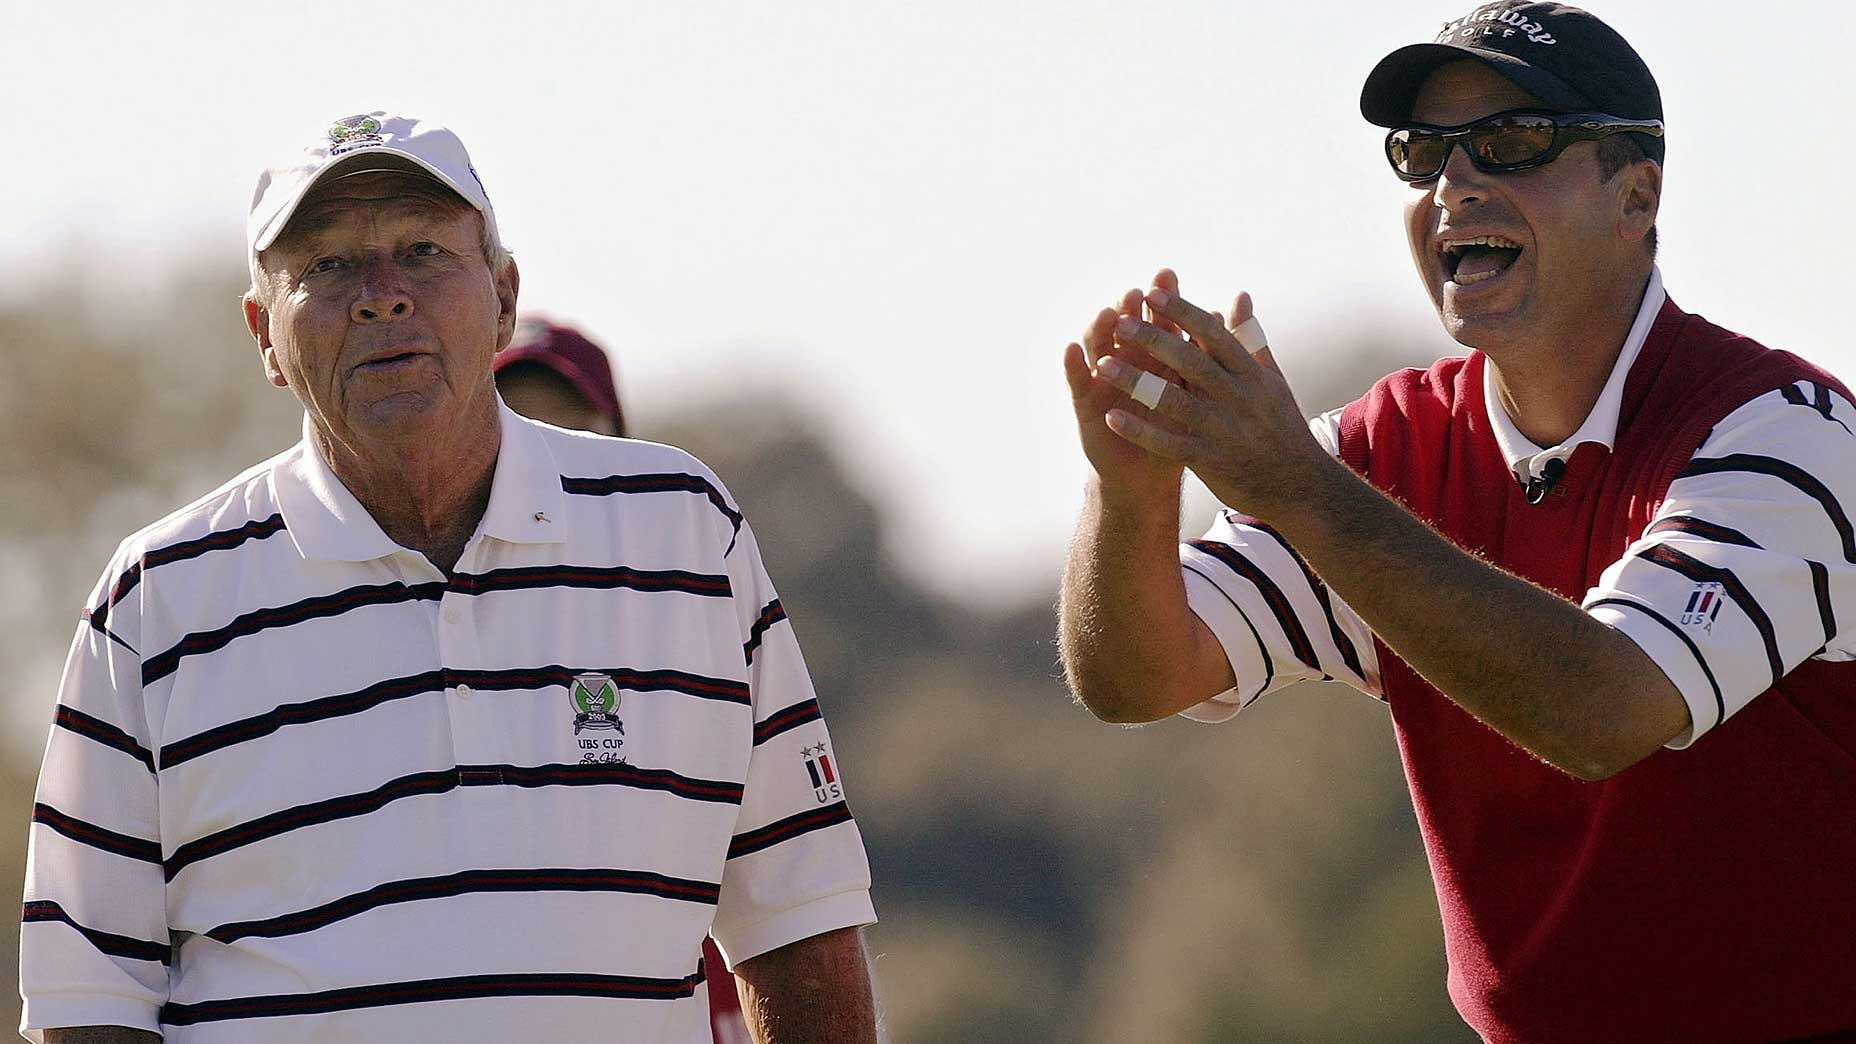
1153 438
1192 365
1076 372
1131 303
1168 399
1205 328
1242 311
1168 281
1099 335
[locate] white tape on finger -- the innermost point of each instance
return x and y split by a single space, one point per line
1148 389
1250 335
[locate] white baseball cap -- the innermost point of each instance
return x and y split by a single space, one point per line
356 145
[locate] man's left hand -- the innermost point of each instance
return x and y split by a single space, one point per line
1241 431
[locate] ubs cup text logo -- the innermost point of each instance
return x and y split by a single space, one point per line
596 708
1488 22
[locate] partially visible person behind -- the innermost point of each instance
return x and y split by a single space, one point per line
552 373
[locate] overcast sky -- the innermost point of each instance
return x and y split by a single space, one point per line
898 214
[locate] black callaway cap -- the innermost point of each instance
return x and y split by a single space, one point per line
1562 55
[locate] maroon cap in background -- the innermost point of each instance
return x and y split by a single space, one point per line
567 352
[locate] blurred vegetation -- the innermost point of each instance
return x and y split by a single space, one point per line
1041 876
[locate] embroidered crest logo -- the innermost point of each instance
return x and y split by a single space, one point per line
596 703
352 132
1704 606
825 786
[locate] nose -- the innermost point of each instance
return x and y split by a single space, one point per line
1459 184
382 295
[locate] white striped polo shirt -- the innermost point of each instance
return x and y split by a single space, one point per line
303 786
1761 507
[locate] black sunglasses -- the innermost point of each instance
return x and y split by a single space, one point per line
1513 140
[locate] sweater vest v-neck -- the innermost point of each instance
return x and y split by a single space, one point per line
1703 895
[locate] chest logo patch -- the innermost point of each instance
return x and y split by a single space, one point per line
596 703
1704 606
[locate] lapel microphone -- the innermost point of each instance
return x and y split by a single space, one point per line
1539 487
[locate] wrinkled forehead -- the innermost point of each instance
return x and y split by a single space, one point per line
1459 92
373 198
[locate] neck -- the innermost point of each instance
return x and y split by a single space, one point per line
1550 383
426 492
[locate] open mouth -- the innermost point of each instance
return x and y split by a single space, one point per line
1478 259
390 360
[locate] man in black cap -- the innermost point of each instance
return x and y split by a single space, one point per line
1597 568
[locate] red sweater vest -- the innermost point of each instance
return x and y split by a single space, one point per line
1702 895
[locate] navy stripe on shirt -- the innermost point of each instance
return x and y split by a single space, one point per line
1273 597
1791 474
771 614
442 781
74 720
517 679
656 483
546 879
1348 654
512 579
95 836
802 713
786 829
420 991
110 943
221 541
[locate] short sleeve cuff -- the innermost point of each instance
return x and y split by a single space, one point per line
1678 659
61 1010
843 910
1239 641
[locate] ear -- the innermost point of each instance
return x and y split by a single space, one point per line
508 285
1639 195
258 321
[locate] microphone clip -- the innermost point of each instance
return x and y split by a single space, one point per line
1538 487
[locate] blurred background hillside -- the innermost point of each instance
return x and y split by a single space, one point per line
1041 876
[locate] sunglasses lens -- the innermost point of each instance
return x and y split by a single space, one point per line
1417 154
1511 140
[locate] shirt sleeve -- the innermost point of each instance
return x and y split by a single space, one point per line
1750 562
94 946
796 865
1276 620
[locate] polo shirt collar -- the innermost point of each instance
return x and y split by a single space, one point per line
1601 425
527 505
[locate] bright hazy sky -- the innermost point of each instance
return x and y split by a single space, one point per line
898 214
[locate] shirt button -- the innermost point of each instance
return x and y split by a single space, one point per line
452 616
463 692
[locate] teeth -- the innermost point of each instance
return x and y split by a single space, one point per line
1471 280
1457 246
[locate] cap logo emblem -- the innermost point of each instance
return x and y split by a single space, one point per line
352 133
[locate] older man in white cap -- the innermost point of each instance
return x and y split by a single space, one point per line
443 724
